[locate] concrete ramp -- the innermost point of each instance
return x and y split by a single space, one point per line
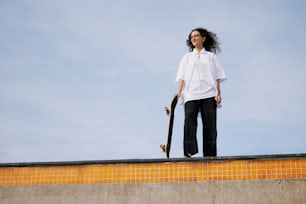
245 179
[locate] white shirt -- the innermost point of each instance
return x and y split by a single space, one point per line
199 71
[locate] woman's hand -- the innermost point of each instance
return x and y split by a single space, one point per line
218 99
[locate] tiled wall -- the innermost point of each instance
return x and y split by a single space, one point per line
182 171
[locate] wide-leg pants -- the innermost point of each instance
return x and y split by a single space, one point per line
207 108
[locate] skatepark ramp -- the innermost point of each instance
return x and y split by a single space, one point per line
237 180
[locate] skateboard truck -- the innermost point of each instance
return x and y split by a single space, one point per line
167 110
163 147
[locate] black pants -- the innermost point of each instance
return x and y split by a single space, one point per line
207 108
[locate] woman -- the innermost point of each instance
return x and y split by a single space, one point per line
199 77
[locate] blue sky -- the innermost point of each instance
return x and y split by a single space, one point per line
88 80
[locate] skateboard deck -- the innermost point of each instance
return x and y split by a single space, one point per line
170 113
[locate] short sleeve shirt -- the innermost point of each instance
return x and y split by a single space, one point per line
200 71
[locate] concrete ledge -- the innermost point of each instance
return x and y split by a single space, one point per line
146 161
232 180
257 167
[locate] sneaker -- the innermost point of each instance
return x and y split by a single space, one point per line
188 155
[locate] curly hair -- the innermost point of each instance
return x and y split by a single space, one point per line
210 44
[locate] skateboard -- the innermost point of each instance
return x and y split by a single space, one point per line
170 113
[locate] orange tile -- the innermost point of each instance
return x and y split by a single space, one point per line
155 172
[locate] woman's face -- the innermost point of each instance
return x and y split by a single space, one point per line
197 39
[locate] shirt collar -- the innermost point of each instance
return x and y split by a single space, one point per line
201 52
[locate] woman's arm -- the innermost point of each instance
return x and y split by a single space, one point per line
181 84
218 97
